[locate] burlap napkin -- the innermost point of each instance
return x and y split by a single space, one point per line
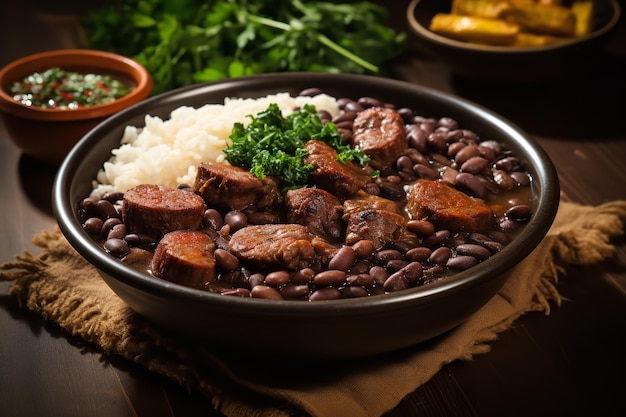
63 288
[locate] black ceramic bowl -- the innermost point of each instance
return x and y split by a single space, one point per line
507 63
315 330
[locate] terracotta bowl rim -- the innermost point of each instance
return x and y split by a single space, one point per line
93 59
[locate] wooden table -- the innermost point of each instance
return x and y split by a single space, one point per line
570 363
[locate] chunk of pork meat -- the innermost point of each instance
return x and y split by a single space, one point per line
318 210
363 201
235 188
379 226
448 208
274 245
340 179
379 132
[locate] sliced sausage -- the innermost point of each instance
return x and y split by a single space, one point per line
234 188
448 208
185 257
157 209
380 133
274 245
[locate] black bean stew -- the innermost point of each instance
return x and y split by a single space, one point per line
433 200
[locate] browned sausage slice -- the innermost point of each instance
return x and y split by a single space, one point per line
185 257
274 245
448 208
379 132
157 209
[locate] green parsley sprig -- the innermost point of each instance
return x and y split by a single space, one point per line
272 145
182 42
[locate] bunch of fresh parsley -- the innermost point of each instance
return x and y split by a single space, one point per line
272 144
182 42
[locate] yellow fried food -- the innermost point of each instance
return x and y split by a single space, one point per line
583 10
475 29
531 39
538 18
489 9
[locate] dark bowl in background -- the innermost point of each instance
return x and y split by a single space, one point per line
311 330
507 63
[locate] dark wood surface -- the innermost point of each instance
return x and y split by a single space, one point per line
569 363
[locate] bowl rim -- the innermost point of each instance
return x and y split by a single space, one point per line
93 59
433 37
65 211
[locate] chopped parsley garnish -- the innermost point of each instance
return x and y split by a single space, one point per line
273 145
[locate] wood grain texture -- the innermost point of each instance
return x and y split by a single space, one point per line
569 363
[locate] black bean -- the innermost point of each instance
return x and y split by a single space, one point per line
461 262
361 266
404 163
294 291
396 282
436 239
470 184
437 141
235 220
256 279
105 209
440 255
343 259
330 277
226 260
519 213
310 92
448 122
140 240
108 224
475 165
116 247
263 291
395 265
379 274
455 148
213 219
364 248
406 114
354 292
354 107
425 172
362 280
521 178
117 232
391 190
386 255
472 249
93 225
420 227
277 278
418 254
326 293
411 272
303 276
344 116
367 102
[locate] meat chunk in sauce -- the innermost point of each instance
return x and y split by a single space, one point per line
185 257
340 179
318 210
380 133
157 209
448 208
379 226
364 201
235 188
274 245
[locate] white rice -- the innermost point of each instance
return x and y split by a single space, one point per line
167 152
